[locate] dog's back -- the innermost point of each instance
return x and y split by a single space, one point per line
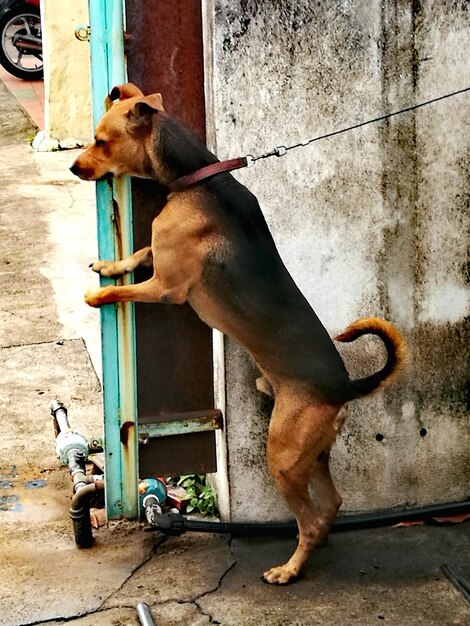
246 275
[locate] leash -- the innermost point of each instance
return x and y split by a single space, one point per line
249 160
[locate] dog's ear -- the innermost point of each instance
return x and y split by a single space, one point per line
155 100
139 118
122 92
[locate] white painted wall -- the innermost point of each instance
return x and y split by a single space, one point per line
373 222
66 74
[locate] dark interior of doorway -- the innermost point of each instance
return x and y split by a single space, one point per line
174 348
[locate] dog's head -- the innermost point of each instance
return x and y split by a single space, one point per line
121 136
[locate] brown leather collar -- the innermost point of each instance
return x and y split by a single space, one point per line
207 172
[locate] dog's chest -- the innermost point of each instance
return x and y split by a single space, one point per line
180 243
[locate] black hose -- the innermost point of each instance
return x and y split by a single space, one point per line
173 524
457 581
395 516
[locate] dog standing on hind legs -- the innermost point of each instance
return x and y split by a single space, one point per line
212 248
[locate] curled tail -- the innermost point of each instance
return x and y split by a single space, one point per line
397 354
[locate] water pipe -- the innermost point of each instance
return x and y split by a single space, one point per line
144 615
80 513
72 449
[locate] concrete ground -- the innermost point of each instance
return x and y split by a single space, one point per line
29 93
49 347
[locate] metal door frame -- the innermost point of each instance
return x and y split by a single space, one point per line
114 211
115 241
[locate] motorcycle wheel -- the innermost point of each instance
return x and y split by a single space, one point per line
21 63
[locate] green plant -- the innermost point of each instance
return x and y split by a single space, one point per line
201 495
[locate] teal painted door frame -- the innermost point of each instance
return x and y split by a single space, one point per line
114 212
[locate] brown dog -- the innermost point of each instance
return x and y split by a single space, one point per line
212 248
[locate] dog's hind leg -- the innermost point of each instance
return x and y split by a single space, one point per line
327 496
296 444
143 257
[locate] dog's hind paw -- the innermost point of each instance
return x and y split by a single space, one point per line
280 575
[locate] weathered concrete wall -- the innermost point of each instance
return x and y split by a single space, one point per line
66 73
373 222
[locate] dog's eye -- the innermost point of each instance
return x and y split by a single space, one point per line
99 143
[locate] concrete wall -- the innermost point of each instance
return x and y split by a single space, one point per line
373 222
66 73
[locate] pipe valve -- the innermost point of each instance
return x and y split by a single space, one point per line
70 441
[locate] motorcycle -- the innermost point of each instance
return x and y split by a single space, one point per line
20 38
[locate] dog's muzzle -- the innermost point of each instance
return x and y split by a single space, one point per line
86 173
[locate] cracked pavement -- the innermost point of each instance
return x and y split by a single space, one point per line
50 347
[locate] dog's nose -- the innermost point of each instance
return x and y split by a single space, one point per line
74 168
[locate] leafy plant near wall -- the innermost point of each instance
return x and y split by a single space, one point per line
201 495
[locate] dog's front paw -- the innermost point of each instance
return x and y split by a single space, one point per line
280 575
107 268
92 298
